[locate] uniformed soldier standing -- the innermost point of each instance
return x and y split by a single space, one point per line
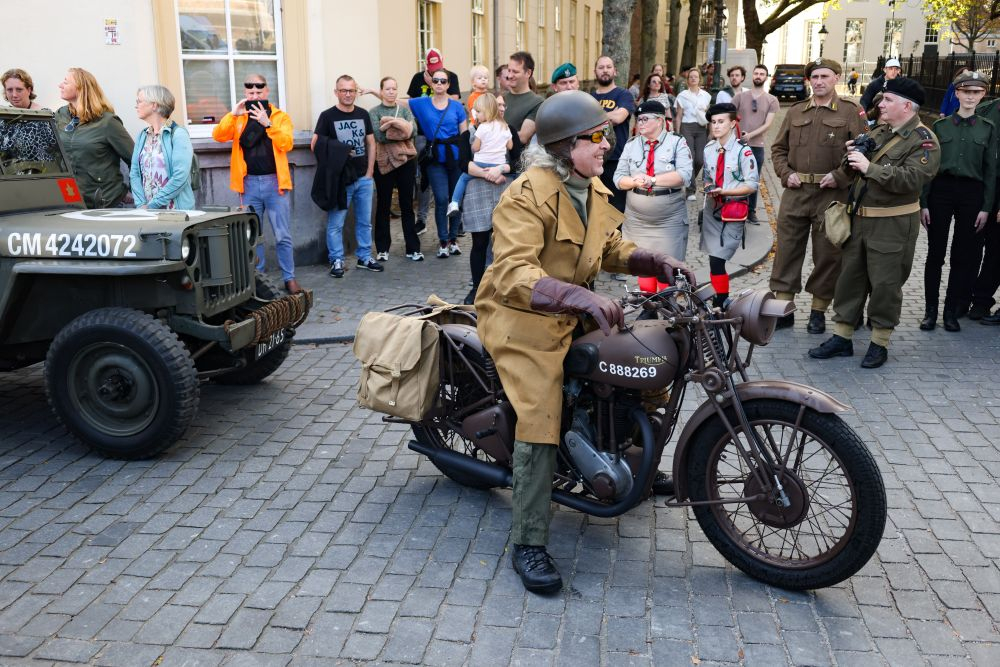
963 188
808 157
989 273
885 223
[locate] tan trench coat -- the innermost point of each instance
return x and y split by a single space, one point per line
538 233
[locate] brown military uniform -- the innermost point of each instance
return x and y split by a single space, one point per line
811 143
884 228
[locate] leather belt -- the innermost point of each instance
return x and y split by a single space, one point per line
812 179
887 211
655 193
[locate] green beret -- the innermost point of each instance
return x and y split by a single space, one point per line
823 62
564 71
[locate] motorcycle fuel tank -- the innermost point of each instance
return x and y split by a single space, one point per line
644 356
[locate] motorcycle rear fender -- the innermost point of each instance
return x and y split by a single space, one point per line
783 390
464 334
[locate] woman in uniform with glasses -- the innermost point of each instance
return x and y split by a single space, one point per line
654 170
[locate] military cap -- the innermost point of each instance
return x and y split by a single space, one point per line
819 63
906 87
723 107
651 107
564 71
970 79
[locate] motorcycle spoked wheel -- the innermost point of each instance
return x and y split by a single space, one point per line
465 391
837 512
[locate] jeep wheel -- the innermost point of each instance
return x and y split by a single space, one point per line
122 382
258 369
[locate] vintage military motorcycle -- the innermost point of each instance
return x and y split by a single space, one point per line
779 483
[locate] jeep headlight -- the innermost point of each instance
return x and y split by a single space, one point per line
251 232
188 249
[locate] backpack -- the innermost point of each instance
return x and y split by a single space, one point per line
195 167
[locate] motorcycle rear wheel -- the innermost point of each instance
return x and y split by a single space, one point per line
837 512
464 392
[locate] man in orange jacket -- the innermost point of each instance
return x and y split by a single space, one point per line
258 167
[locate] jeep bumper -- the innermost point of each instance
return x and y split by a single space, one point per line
261 323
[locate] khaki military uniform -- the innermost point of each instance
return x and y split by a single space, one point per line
886 223
538 233
811 142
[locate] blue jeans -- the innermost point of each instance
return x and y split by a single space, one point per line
261 192
463 182
443 179
360 192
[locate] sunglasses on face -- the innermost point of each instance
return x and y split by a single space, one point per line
439 80
258 86
597 136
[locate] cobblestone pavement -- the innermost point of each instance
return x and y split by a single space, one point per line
292 527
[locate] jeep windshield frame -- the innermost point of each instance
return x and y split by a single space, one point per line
30 146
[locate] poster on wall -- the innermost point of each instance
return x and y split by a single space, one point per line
111 34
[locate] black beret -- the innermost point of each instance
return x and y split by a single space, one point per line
906 87
651 107
717 108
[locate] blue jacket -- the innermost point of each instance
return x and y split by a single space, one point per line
177 153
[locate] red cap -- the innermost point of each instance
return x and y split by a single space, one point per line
434 61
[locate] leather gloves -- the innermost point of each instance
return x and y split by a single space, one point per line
644 262
555 296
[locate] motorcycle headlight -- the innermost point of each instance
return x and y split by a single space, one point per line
760 311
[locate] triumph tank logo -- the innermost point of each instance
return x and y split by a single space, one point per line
653 361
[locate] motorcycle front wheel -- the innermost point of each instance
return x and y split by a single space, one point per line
831 520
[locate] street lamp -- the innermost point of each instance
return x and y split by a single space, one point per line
720 15
823 32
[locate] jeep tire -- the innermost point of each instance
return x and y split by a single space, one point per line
122 382
258 369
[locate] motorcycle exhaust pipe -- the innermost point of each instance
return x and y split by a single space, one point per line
488 473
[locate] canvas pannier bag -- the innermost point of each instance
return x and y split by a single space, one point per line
837 223
399 364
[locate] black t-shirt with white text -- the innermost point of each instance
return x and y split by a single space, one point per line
349 128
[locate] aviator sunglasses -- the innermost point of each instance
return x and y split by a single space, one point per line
598 136
258 86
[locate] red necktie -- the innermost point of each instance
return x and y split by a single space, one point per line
651 158
720 168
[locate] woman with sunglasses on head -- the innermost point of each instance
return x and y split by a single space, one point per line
657 89
442 120
161 162
654 169
95 140
553 231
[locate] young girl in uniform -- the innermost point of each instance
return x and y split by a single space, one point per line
730 177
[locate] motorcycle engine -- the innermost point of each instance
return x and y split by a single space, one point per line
608 474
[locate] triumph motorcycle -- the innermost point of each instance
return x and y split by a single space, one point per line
779 483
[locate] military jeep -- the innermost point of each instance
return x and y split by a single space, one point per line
130 309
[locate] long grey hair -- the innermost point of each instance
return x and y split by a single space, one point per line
554 156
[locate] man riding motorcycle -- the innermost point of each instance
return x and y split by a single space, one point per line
553 231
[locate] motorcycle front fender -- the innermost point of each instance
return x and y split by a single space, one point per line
802 394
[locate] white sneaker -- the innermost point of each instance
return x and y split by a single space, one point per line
454 249
443 252
382 257
691 197
452 209
415 256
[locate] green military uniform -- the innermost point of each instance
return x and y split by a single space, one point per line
884 228
811 143
989 274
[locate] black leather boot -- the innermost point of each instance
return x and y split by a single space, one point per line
950 318
978 311
538 571
875 357
785 322
834 346
817 322
663 484
930 319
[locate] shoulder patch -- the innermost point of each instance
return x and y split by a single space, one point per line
748 152
923 132
928 144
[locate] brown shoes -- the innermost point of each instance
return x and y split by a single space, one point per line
292 286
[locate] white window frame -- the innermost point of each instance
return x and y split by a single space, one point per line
557 26
425 35
540 46
890 29
202 130
519 26
478 31
572 30
931 34
861 43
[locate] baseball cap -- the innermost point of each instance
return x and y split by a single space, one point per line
893 62
434 61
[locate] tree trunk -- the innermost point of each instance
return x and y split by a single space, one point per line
617 38
650 9
674 38
689 56
753 31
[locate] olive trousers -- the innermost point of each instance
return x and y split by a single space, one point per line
877 258
800 219
534 464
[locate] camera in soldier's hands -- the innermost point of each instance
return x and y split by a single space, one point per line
863 144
